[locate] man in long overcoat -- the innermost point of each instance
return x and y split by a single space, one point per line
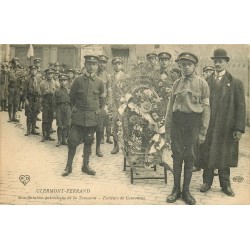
227 123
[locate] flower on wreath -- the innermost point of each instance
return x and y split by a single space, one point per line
148 92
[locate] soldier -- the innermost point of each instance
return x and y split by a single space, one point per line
187 121
14 90
152 61
32 94
71 76
167 77
63 110
102 73
4 82
228 116
116 77
86 96
47 93
207 71
21 82
40 72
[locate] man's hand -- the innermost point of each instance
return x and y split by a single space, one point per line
202 139
237 135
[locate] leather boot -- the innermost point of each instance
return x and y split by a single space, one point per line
86 153
176 192
116 147
28 129
48 131
65 132
188 171
98 143
59 136
68 169
108 130
43 131
33 130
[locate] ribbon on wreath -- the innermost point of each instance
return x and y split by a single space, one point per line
125 103
158 141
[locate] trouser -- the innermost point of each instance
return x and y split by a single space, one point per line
100 128
107 125
224 176
78 134
184 135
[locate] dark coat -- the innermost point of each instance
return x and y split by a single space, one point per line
86 96
228 114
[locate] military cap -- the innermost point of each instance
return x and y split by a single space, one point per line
176 70
164 55
70 70
49 70
187 56
103 58
220 54
117 59
37 59
208 68
56 64
91 58
33 67
151 55
15 59
63 77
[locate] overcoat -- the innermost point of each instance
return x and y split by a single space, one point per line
228 114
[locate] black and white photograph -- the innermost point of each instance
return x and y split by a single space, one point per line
125 124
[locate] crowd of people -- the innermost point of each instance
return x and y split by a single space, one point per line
205 115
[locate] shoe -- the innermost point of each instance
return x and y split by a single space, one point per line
204 188
64 143
43 139
188 198
99 152
58 144
176 193
15 120
67 171
49 138
88 170
115 150
34 132
109 141
216 172
195 169
228 191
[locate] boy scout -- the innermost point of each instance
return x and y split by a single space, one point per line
187 121
63 110
86 96
48 88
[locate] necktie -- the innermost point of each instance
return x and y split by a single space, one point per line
217 80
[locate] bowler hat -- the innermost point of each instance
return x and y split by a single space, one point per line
117 59
103 58
151 55
91 58
187 56
220 54
164 55
208 68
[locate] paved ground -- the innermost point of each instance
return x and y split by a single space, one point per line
44 163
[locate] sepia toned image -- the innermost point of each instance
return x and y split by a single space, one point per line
125 124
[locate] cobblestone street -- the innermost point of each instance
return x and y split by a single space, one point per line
44 163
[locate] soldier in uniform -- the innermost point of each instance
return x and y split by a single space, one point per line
14 90
63 110
71 76
104 121
40 72
47 93
86 96
187 121
167 77
4 82
152 61
116 77
32 94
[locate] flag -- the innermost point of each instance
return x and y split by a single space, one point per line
30 51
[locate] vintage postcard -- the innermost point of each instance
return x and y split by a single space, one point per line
124 124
